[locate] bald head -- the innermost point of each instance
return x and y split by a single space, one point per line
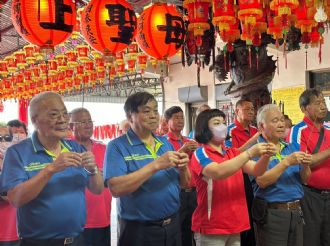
38 102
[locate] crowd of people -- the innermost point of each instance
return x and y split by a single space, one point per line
259 181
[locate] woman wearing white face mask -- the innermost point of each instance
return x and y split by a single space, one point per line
221 213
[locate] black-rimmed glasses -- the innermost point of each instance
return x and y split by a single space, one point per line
6 138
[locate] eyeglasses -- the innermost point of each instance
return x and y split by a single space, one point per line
6 138
57 115
83 123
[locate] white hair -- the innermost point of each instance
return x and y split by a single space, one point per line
37 101
261 115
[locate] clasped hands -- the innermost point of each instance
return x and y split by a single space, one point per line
262 149
67 159
300 157
172 159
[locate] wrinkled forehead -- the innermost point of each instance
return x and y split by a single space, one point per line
4 130
52 103
273 114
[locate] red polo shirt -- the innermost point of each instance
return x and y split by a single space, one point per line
98 206
177 144
305 136
239 135
8 230
222 207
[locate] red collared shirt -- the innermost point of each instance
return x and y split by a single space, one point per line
98 206
222 207
305 136
177 144
239 135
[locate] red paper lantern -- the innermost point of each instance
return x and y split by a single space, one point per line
108 25
198 15
3 68
11 63
142 62
160 31
1 107
29 54
305 17
223 14
45 23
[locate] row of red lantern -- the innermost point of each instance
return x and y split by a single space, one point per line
48 76
109 26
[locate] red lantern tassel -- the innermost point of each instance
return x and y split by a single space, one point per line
320 52
39 10
250 57
306 58
285 55
257 57
198 73
183 61
257 61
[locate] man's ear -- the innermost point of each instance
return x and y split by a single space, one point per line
129 118
33 119
261 127
236 112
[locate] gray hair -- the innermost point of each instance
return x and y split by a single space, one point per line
78 110
36 102
202 108
262 112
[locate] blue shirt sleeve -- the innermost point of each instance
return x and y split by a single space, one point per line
228 143
13 172
202 157
114 162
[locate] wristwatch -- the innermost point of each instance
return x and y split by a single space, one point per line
93 172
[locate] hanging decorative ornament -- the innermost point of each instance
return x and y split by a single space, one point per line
274 28
45 23
108 26
11 63
3 69
71 58
305 16
83 52
198 16
223 15
160 31
142 62
29 54
131 57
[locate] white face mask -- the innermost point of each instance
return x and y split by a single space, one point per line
219 132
